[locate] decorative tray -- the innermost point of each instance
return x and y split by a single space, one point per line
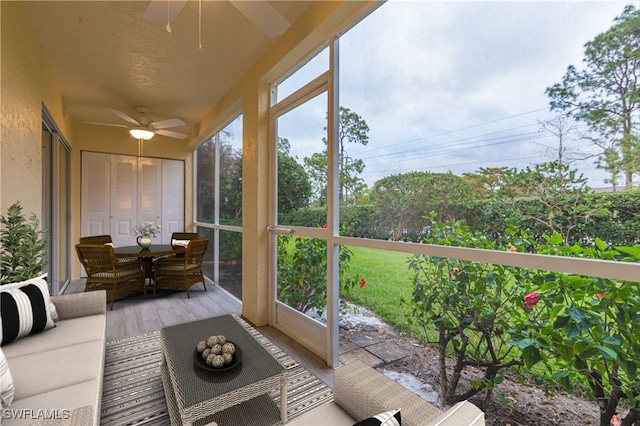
200 362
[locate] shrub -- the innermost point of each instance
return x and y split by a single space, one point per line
22 246
302 272
584 330
472 306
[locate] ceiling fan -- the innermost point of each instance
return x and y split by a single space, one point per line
143 128
261 14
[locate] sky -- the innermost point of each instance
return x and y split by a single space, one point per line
456 85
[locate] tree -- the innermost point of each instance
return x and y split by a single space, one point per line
351 129
403 200
561 127
610 161
230 183
205 168
485 181
294 187
605 95
560 194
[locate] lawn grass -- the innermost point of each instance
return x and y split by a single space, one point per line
388 283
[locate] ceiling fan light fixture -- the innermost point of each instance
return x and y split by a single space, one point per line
143 134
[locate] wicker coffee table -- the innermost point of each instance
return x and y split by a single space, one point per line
193 393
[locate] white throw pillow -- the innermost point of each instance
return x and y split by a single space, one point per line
181 243
6 382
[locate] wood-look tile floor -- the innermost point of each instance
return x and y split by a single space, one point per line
135 315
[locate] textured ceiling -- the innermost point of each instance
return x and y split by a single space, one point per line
105 55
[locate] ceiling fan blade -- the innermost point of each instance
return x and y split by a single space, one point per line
263 15
171 134
105 124
124 116
159 12
164 124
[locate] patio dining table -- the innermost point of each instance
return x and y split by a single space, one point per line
147 255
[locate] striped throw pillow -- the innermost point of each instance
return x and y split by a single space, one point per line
6 381
24 309
42 282
389 418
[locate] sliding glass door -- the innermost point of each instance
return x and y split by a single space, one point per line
56 205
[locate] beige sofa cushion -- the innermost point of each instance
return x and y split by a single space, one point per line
33 375
65 333
329 414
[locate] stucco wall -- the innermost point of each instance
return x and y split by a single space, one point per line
26 82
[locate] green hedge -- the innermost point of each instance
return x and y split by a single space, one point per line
617 223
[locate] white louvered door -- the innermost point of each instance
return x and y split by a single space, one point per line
121 191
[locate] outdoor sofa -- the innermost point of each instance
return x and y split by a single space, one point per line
58 372
361 392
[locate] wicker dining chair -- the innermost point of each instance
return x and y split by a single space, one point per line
96 239
182 272
105 272
184 236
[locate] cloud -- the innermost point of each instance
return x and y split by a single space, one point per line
460 85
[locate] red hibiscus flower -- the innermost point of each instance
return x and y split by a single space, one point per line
615 420
363 282
513 249
600 296
531 299
324 226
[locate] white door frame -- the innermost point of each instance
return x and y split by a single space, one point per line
322 339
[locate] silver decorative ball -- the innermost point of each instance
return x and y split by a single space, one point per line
228 348
216 349
227 357
202 345
217 361
209 359
206 353
212 340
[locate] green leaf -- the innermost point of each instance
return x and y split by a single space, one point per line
608 353
600 244
501 397
531 356
577 314
556 239
525 343
572 331
628 366
611 341
632 251
559 375
561 321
